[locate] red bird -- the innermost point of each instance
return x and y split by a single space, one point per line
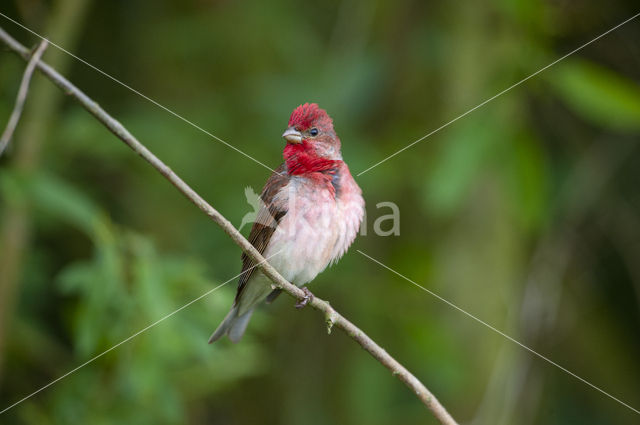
312 209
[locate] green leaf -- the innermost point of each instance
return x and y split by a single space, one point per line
464 151
598 95
65 202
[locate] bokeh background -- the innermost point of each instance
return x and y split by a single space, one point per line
524 213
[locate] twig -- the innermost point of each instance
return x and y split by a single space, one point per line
398 370
22 96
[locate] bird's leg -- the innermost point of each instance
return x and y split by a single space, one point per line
308 296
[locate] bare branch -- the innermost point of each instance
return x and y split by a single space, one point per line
339 321
22 96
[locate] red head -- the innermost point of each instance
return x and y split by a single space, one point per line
312 144
309 115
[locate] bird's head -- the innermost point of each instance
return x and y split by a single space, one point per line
311 129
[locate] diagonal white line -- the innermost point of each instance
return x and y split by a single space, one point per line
138 93
133 336
500 94
500 332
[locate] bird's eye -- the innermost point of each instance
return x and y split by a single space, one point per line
313 132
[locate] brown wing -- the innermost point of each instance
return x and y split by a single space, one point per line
266 222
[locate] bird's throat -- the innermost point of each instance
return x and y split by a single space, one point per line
301 159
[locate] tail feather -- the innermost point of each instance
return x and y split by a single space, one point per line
232 325
238 326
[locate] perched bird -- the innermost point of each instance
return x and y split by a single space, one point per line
310 213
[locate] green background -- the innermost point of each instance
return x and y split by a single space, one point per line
524 213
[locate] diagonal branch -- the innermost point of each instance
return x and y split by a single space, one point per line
22 96
333 318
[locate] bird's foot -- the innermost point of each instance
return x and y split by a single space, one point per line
308 296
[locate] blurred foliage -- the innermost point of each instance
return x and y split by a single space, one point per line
524 213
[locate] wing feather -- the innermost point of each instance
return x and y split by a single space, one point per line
265 225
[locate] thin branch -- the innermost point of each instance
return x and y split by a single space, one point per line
333 318
22 96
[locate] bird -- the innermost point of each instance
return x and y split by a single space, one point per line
310 212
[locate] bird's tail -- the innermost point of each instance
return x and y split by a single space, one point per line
233 325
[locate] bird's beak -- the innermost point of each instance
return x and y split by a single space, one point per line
292 135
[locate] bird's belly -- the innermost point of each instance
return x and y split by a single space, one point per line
302 248
304 242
